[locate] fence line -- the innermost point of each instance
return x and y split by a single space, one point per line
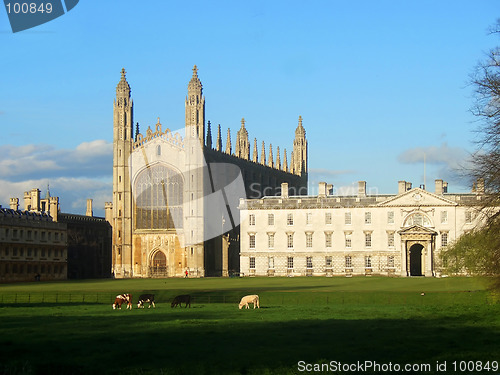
270 298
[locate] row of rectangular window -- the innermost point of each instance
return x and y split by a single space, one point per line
33 268
30 235
328 262
328 240
309 240
31 252
348 218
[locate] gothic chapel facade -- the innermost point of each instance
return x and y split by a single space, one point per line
165 186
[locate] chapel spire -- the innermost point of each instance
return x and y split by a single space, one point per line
218 145
123 88
299 158
228 142
242 149
209 136
271 159
195 108
255 152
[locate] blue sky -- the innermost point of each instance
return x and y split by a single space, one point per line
378 84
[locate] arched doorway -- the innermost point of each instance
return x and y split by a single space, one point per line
416 260
158 266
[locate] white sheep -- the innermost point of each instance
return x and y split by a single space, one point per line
254 298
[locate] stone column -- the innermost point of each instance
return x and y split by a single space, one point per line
404 261
428 259
225 249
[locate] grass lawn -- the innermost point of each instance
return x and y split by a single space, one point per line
70 327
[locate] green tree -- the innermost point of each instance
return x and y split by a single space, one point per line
478 252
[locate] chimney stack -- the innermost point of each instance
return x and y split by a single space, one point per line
480 186
27 201
401 187
54 207
108 211
322 189
284 190
35 200
361 188
329 189
14 204
439 187
89 208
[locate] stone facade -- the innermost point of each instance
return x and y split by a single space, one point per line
41 241
89 246
32 244
171 191
326 235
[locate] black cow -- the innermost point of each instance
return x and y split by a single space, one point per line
181 299
146 298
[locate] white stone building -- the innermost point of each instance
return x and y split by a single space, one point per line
326 235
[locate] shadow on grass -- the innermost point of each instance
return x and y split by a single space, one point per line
204 342
48 304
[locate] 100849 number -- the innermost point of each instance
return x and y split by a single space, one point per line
474 366
25 8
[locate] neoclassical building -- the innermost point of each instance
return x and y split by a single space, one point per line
175 193
363 234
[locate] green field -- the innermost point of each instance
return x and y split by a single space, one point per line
70 327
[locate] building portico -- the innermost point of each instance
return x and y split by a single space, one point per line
417 248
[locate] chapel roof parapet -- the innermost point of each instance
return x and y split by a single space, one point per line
281 162
172 138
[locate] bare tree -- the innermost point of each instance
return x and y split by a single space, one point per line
478 252
486 160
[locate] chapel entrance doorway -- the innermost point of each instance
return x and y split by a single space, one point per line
158 266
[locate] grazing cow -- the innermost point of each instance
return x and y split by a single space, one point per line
121 299
254 298
146 298
181 299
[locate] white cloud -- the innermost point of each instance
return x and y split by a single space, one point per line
89 159
452 157
445 162
73 174
321 174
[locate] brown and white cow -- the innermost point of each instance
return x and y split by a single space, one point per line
121 299
253 298
181 299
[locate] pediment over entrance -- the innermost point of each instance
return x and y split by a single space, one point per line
417 197
417 229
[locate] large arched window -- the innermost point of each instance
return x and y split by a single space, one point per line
158 191
417 219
